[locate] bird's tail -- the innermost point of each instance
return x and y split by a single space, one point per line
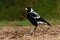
48 23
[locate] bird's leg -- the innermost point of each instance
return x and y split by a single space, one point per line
34 30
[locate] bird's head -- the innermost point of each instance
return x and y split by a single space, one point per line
28 9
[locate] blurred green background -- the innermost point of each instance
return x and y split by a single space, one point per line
13 11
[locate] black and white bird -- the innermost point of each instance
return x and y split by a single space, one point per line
34 18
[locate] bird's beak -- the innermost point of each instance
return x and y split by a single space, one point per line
26 9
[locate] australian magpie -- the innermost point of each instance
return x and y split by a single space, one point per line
34 18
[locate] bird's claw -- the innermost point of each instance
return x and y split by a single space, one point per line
32 32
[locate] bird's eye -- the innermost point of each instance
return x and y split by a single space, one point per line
26 9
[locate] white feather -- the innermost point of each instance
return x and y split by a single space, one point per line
34 13
40 22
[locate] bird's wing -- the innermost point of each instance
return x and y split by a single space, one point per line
41 20
35 15
38 18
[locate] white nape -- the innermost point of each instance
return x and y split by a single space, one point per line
34 13
31 10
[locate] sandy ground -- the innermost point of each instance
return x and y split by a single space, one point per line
23 33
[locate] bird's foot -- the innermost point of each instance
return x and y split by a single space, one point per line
32 32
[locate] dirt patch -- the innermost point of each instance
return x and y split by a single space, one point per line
23 33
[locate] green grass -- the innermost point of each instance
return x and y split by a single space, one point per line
7 23
25 23
48 9
15 23
54 22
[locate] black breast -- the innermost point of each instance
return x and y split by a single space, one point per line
31 19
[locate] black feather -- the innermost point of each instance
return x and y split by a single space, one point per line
42 20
